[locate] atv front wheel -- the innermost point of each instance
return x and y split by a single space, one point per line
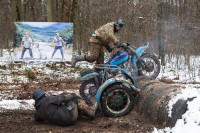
151 68
118 100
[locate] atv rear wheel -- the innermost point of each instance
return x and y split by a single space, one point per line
88 90
85 71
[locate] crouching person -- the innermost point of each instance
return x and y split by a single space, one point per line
61 109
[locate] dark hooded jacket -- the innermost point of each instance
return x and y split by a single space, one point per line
60 110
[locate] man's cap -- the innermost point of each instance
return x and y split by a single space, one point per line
38 93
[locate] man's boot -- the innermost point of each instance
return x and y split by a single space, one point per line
75 59
89 111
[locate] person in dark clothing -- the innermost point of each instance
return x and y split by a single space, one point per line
60 109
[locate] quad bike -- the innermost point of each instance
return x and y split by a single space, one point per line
133 61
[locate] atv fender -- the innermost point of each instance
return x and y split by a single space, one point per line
89 76
138 51
110 82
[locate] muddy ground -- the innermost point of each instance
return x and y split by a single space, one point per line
23 120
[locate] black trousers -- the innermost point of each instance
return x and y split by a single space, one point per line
24 50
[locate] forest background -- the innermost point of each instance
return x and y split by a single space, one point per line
172 27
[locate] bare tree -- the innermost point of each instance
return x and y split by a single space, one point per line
51 8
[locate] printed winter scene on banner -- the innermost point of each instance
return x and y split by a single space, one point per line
43 41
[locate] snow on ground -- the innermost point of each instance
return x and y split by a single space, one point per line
190 122
175 68
189 92
17 104
7 57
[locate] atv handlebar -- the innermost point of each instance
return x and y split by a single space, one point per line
128 44
129 49
126 48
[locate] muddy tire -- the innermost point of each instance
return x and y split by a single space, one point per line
145 92
153 65
88 90
117 101
137 97
152 98
162 116
85 71
144 86
179 108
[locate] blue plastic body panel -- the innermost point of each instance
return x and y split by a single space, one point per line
118 58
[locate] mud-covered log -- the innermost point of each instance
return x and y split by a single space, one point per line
154 99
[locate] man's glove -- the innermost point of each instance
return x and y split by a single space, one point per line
121 45
109 49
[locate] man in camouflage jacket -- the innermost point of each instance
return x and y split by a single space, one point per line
101 38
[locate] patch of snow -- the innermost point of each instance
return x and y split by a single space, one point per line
7 57
17 104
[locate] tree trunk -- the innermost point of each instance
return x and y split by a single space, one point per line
73 10
160 33
51 9
1 52
6 25
66 11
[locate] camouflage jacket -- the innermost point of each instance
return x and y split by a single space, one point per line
105 35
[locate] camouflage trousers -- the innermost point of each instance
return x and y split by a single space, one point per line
96 53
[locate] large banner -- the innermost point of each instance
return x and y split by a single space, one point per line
43 41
